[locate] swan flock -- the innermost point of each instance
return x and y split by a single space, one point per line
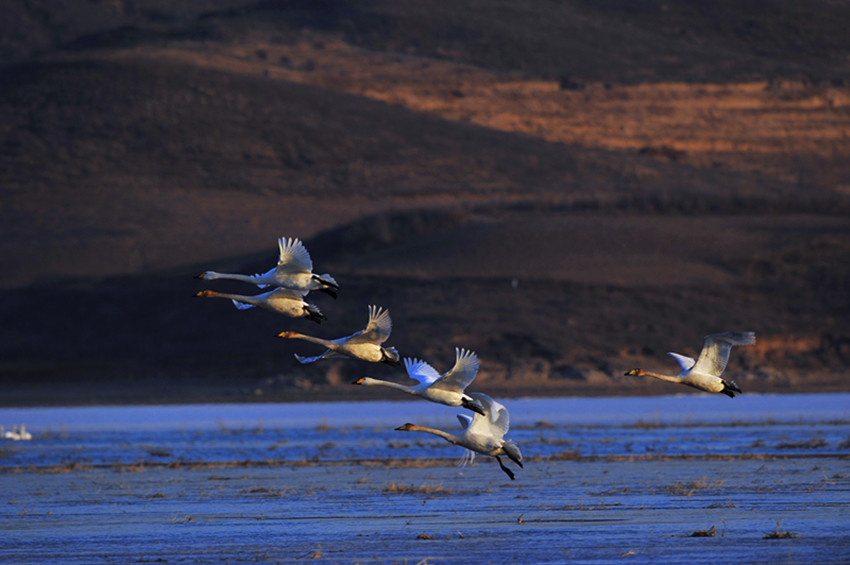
292 279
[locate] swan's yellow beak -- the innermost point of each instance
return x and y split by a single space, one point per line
358 381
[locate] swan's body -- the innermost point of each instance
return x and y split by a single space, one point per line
447 389
294 270
484 434
282 300
364 345
704 373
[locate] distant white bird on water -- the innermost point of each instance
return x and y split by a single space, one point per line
281 300
447 389
484 434
364 345
294 270
704 373
16 433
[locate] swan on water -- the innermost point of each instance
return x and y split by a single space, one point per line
294 270
447 389
364 345
704 373
484 434
281 300
16 433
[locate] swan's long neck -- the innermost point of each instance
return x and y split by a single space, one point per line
212 275
367 381
237 297
668 378
451 438
295 335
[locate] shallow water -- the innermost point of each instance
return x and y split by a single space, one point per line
604 480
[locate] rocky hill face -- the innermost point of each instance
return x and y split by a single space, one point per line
571 190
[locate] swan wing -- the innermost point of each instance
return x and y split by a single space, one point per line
326 355
714 356
421 371
465 420
294 257
294 294
684 361
241 305
462 374
495 423
378 328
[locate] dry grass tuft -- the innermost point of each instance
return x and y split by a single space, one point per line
780 533
814 443
690 487
709 533
425 488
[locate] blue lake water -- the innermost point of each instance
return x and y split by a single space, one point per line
604 479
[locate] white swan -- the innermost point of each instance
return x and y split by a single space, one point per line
17 434
704 373
447 389
364 345
281 300
294 270
483 434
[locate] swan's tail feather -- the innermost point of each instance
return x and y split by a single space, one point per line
512 451
312 313
327 280
730 388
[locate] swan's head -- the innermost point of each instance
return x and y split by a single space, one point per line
407 428
202 275
636 373
286 335
359 381
203 294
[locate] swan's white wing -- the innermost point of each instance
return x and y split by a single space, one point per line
326 355
421 371
379 326
495 424
716 348
288 293
241 305
463 372
684 361
293 255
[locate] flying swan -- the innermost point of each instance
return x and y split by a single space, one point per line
281 300
364 345
447 389
704 373
482 434
294 270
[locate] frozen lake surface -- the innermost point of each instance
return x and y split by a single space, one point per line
605 479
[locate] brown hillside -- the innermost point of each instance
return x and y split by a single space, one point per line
570 189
